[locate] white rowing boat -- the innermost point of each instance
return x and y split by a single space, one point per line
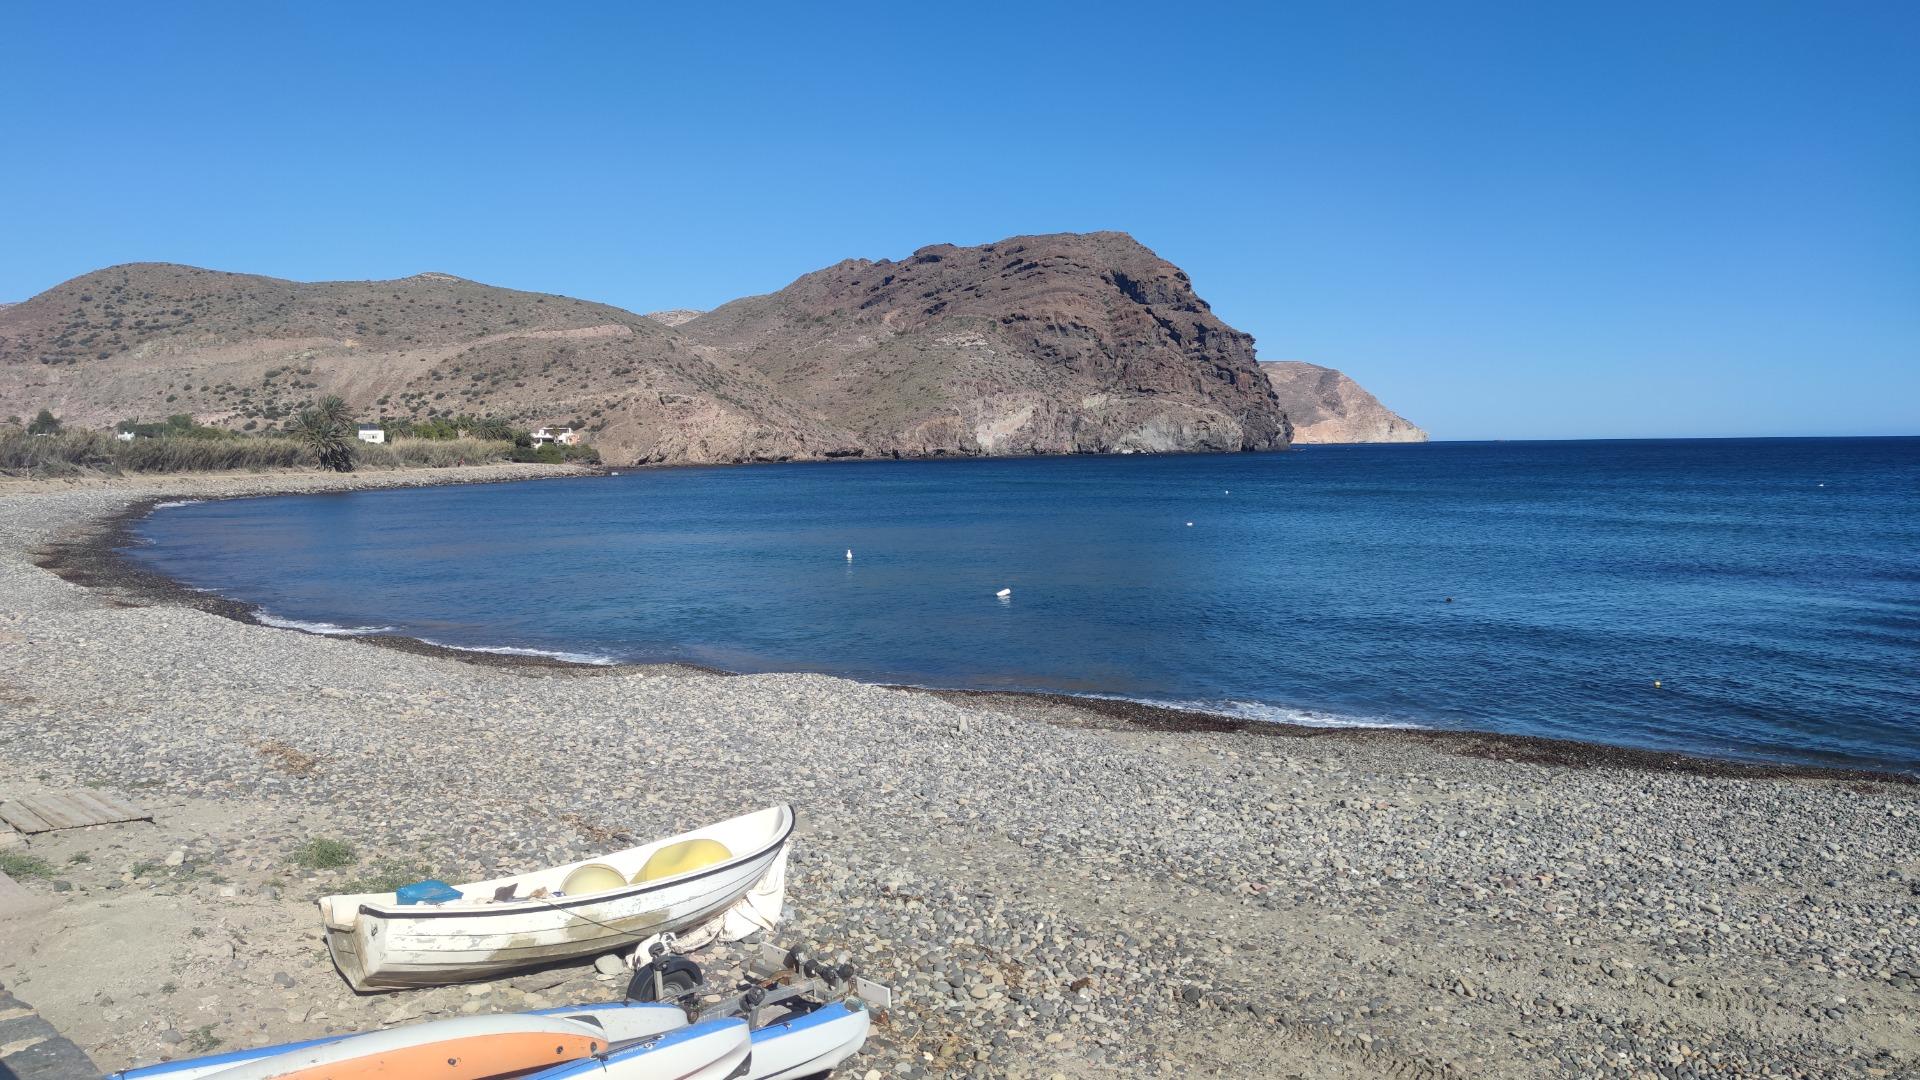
729 877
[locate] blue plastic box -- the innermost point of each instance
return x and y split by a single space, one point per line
427 892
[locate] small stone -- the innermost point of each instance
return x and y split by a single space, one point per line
176 856
610 964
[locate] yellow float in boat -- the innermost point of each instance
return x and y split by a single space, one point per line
592 877
681 858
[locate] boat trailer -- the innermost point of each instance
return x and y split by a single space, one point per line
777 978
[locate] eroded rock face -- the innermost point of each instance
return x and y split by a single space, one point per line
1066 343
1324 406
675 317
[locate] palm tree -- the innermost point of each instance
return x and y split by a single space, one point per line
324 428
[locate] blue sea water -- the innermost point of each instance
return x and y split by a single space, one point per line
1772 587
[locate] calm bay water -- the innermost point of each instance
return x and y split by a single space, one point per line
1772 586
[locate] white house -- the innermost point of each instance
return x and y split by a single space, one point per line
565 436
372 433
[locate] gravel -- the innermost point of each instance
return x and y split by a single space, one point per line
1051 888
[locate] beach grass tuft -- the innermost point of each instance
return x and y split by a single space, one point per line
20 867
324 853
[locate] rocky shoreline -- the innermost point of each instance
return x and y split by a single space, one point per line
93 557
1056 886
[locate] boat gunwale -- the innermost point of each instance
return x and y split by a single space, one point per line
516 908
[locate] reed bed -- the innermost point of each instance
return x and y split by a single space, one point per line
72 452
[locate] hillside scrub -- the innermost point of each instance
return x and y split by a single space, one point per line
72 452
554 454
430 453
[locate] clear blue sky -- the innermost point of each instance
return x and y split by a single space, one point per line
1516 220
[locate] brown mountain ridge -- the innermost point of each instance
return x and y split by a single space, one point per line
1065 343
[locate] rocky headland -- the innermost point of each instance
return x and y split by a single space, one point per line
1058 888
1325 406
1051 344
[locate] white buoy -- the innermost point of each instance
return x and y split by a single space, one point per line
1004 593
849 554
1189 524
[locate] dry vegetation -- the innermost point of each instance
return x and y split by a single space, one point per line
1038 344
74 452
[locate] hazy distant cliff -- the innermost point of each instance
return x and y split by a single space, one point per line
1325 406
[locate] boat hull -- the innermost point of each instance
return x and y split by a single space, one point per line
386 946
713 1050
466 1048
808 1045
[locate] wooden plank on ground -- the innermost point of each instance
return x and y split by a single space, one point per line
68 810
22 818
58 811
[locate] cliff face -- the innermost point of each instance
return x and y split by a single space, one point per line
1064 343
1324 406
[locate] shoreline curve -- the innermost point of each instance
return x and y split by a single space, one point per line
91 555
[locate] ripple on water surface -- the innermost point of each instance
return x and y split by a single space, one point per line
1530 588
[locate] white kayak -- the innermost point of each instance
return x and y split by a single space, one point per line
472 1046
808 1045
709 1050
799 1046
562 912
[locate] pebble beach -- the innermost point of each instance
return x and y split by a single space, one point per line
1052 887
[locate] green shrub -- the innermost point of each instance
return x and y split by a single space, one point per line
555 454
432 453
322 853
79 451
24 866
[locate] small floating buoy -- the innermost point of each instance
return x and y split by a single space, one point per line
1189 524
1449 599
1656 684
849 554
1226 493
1004 593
